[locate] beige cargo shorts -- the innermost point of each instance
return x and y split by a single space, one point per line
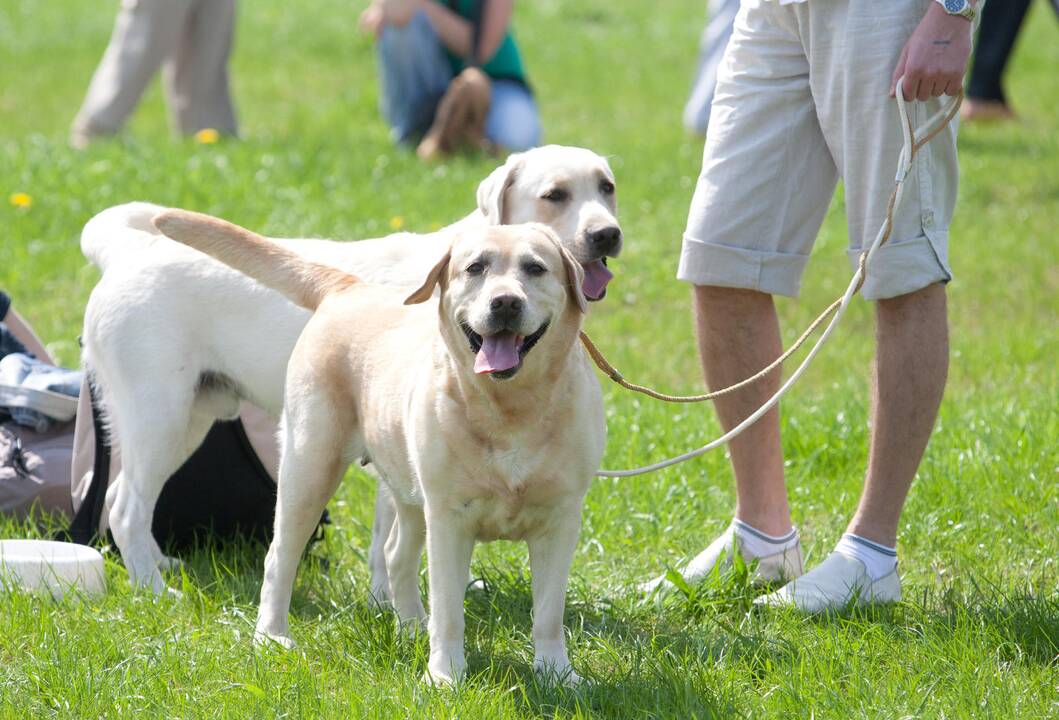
802 100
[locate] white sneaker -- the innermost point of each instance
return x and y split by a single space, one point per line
778 567
832 585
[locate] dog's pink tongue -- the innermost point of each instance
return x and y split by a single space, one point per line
498 353
596 278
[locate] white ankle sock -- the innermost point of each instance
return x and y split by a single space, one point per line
879 559
757 544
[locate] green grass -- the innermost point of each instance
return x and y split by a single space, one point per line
978 634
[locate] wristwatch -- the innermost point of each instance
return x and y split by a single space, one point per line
963 8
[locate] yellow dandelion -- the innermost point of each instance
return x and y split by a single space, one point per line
207 136
396 222
21 199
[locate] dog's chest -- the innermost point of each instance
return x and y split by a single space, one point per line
511 493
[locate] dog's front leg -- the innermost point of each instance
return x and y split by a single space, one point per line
449 547
551 553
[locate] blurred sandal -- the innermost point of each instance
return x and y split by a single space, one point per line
459 122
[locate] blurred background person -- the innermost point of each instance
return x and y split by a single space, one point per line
191 40
452 76
720 16
1001 22
16 335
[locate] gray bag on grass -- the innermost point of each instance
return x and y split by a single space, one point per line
35 469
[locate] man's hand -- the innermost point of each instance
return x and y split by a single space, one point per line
934 59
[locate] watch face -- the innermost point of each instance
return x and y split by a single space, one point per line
955 6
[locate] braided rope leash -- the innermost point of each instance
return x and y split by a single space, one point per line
912 144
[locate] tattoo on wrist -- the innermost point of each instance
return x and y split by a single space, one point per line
943 42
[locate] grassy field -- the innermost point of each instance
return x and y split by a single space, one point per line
978 634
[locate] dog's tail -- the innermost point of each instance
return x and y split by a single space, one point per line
117 230
305 283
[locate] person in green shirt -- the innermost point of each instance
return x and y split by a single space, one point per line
451 74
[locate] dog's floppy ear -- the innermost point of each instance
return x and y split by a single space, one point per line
575 278
575 274
435 276
492 190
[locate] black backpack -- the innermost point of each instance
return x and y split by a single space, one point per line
222 491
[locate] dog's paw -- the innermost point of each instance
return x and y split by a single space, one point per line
267 639
414 626
159 588
445 669
442 678
170 564
563 675
380 600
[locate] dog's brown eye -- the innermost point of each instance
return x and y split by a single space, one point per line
534 269
606 187
476 268
555 195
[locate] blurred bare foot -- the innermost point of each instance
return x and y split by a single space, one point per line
975 110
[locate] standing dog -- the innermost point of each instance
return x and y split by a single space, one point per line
478 409
174 340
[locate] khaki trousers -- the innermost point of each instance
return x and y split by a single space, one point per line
191 40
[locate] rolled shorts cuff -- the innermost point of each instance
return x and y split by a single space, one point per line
907 266
704 263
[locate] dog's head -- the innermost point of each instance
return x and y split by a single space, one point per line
506 291
569 189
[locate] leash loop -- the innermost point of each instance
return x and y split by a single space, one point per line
912 144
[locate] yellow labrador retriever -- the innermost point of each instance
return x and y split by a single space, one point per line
477 407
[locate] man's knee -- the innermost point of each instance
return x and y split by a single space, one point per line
713 295
931 296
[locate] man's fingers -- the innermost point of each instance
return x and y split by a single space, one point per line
912 83
923 86
910 86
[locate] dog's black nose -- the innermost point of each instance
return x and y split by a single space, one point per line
506 306
605 240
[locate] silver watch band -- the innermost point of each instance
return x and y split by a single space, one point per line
963 8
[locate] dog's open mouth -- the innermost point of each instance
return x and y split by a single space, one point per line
596 278
500 354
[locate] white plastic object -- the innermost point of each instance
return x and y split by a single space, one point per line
49 566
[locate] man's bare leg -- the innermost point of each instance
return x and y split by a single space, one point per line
909 378
911 366
738 333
